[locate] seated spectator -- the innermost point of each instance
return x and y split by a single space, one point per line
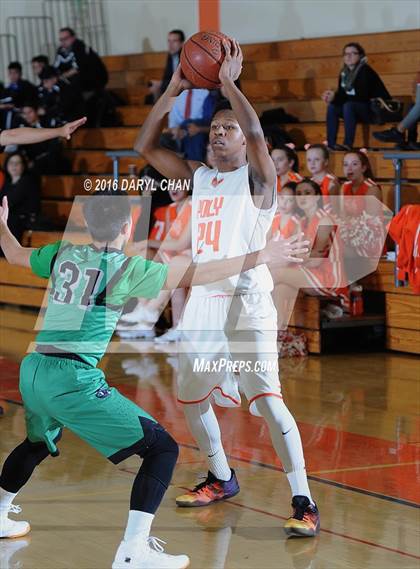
14 95
358 83
322 272
43 157
317 157
286 221
59 101
176 40
362 217
22 192
286 162
83 68
39 62
359 182
409 124
189 125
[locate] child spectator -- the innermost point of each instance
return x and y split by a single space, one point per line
60 101
286 162
39 62
44 157
317 157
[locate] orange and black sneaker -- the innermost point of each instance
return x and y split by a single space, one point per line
210 491
305 521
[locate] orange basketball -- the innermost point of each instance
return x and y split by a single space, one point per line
201 58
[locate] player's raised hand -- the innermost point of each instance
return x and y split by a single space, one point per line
68 129
178 83
232 64
4 211
283 251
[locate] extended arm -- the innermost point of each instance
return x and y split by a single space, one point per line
183 274
263 172
27 135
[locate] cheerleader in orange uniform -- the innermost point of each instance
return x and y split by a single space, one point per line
322 273
317 157
363 221
286 162
285 222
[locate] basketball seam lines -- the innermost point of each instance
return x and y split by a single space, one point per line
204 49
198 73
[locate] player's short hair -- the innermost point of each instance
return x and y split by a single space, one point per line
180 34
15 65
40 59
105 215
68 30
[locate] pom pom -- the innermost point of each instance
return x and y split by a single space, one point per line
307 146
290 145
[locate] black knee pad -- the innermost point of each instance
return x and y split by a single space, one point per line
159 458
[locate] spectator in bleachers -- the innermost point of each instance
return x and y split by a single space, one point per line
39 62
322 273
286 162
43 157
189 124
19 89
317 157
176 40
409 124
358 83
59 101
82 67
14 95
22 192
286 221
359 182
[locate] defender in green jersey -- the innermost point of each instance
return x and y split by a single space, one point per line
60 383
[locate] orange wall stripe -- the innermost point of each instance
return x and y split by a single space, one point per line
209 15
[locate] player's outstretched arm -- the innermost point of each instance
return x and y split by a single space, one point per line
27 135
183 274
168 163
262 168
12 249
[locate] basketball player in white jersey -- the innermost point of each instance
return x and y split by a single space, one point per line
233 206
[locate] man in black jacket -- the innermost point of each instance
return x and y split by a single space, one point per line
82 67
176 40
358 83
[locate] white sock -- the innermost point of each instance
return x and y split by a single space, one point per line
219 465
138 525
205 429
287 443
6 499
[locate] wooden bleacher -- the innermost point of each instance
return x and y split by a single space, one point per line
291 74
